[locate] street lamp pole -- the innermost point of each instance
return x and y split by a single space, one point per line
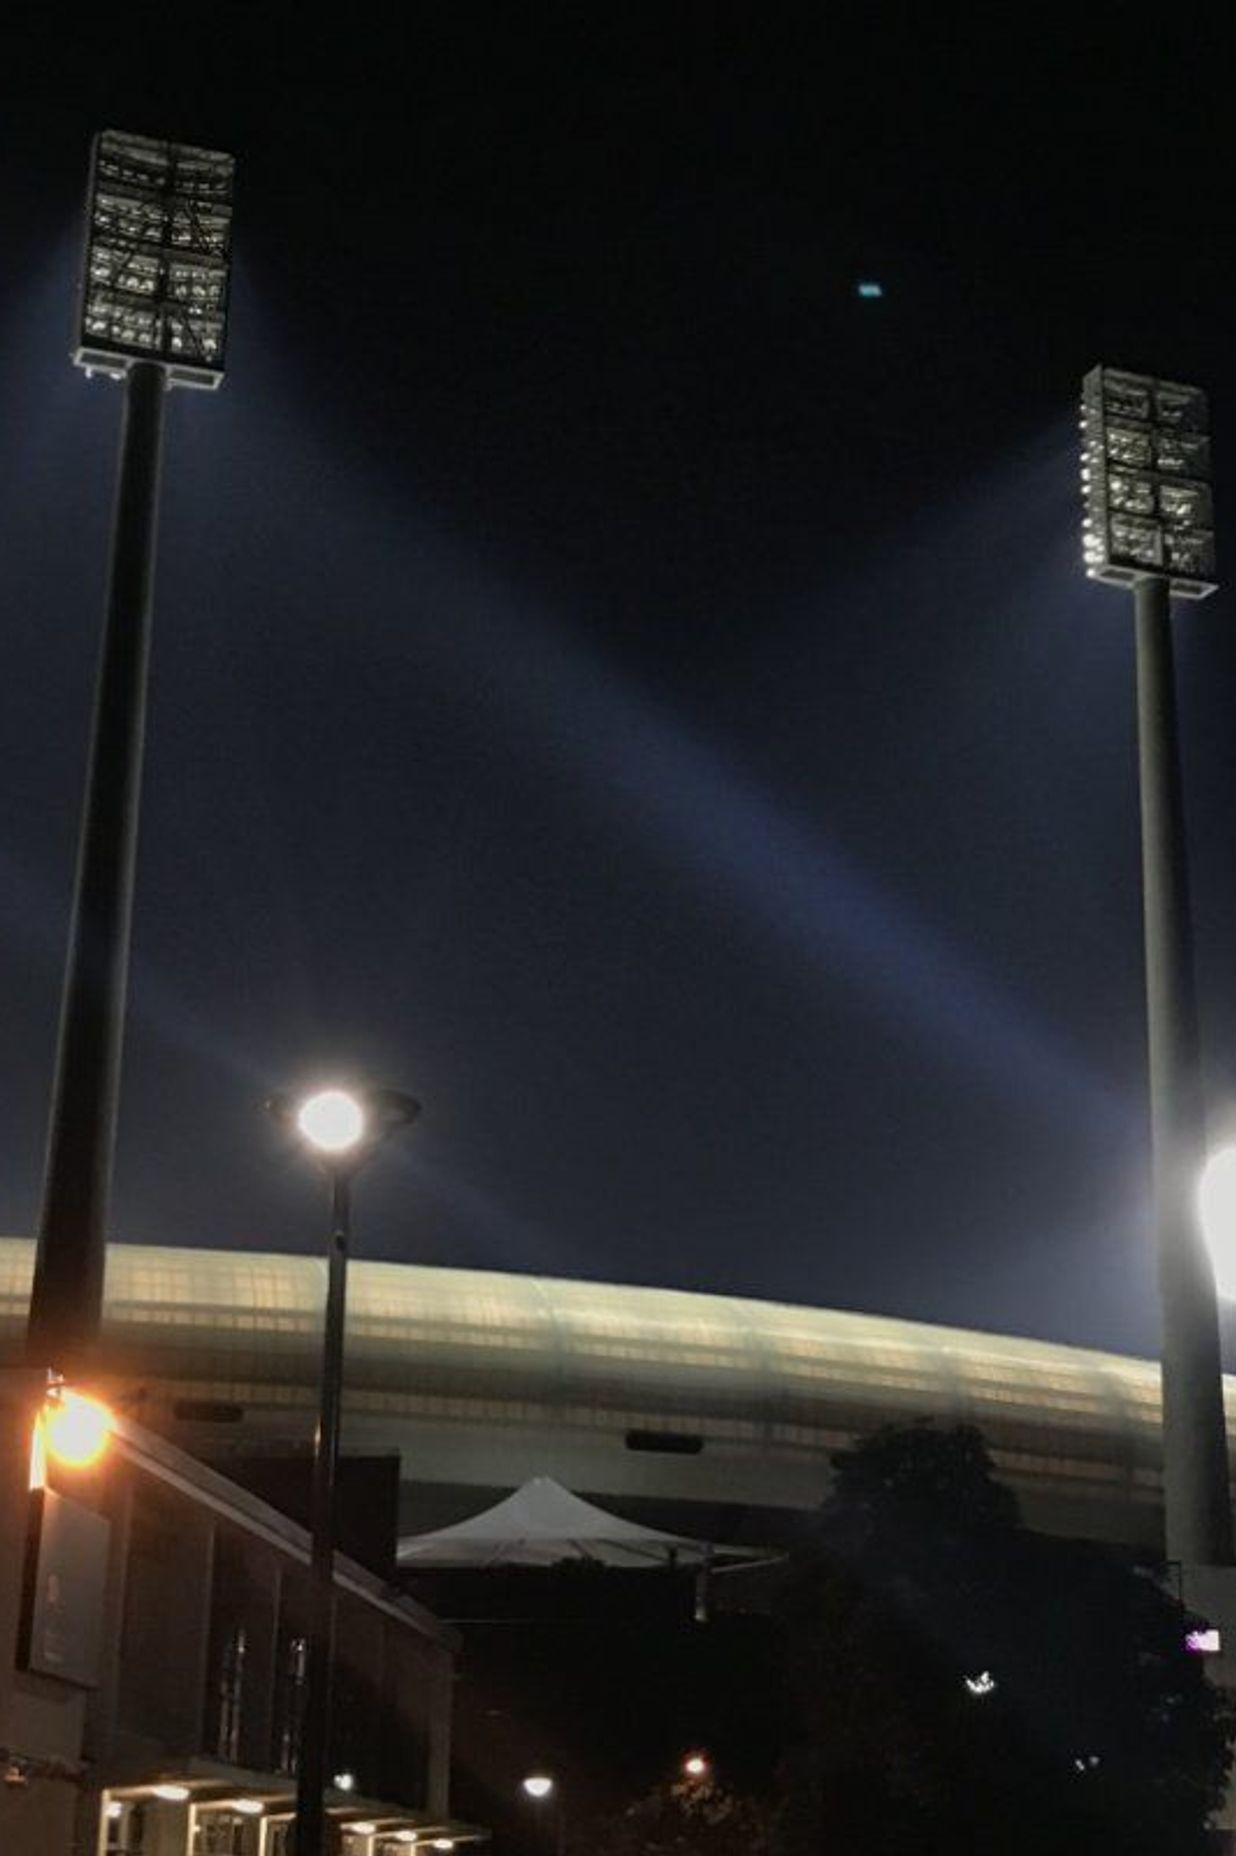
1145 476
344 1129
311 1767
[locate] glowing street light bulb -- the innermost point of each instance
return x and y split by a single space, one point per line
1216 1205
171 1794
538 1785
75 1428
332 1121
695 1765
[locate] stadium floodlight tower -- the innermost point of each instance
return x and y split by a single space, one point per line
1148 526
153 314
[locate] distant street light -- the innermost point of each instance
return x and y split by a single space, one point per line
153 314
540 1786
1216 1205
696 1766
1148 526
343 1128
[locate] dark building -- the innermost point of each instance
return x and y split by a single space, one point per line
152 1664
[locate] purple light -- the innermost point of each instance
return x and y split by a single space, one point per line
1203 1642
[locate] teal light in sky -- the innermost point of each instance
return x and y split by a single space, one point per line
870 290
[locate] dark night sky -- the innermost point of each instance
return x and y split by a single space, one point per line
613 682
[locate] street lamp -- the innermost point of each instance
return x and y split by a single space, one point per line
540 1787
1147 526
153 311
343 1128
75 1427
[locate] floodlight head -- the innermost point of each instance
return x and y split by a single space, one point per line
1146 482
538 1784
156 264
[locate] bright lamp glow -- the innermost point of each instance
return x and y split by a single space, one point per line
538 1785
695 1765
248 1807
75 1428
1216 1205
345 1782
362 1830
171 1794
332 1121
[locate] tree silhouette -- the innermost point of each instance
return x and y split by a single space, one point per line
966 1685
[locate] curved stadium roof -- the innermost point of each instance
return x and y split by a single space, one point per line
481 1379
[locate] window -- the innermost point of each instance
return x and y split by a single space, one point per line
125 1826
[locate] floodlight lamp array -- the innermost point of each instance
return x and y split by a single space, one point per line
155 272
1145 467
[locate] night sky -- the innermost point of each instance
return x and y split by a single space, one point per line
612 680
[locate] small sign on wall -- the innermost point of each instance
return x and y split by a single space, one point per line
62 1601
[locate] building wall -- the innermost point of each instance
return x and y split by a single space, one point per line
481 1379
202 1602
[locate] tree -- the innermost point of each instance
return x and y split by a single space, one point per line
687 1817
965 1685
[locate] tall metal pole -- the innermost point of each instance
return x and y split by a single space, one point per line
67 1299
311 1767
1195 1469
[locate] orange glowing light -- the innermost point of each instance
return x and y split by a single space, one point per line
75 1427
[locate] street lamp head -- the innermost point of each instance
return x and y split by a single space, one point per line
696 1766
343 1126
332 1121
1216 1205
75 1427
538 1785
1145 469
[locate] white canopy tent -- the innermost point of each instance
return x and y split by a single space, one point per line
542 1524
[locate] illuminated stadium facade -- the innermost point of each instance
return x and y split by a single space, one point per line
703 1410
